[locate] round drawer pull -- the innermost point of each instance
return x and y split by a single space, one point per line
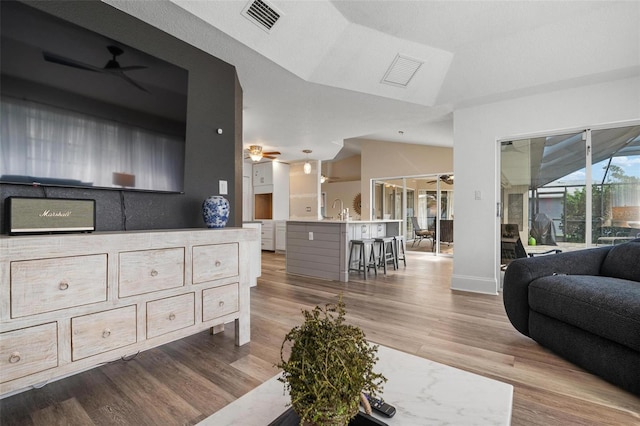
14 357
154 273
63 285
221 303
218 263
106 333
172 316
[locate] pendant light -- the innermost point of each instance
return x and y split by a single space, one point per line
307 164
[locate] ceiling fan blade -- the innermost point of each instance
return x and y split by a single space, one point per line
133 68
112 66
270 153
61 60
131 81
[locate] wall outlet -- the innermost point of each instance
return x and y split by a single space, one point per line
310 236
223 187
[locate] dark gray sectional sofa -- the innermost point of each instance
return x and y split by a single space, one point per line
583 305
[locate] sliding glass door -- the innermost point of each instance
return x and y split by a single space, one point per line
571 190
427 198
615 180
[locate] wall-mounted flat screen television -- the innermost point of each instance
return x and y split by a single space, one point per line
81 109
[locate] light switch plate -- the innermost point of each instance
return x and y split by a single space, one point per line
223 187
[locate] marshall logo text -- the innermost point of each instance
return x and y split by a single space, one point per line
49 213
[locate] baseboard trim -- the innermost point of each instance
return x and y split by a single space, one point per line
474 284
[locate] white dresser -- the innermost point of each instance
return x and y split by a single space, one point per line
71 302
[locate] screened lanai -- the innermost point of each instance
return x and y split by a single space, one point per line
584 186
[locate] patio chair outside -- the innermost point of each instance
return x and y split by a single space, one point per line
420 234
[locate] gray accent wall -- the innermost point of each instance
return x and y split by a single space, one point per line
215 101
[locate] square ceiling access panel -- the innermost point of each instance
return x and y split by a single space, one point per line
401 71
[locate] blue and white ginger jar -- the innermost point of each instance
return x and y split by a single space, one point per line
215 211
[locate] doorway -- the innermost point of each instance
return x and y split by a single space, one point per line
429 198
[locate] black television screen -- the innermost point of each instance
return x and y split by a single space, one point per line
82 109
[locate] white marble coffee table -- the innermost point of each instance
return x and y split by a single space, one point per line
424 393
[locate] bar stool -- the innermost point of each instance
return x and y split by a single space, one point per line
400 246
386 252
360 247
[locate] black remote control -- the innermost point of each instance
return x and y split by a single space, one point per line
380 406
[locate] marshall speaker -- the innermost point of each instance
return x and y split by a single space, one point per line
49 215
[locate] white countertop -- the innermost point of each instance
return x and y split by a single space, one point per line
424 393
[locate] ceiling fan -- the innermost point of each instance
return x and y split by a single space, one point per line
112 67
256 153
448 179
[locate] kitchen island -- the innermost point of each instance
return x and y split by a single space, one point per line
320 248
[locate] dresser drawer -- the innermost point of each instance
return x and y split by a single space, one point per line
170 314
28 351
212 262
219 301
102 332
45 285
150 270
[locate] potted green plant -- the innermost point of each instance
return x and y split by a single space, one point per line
329 367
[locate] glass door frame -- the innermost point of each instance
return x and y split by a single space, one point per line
587 137
376 183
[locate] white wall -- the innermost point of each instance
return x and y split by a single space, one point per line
304 197
476 131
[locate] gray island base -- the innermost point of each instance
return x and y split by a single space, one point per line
321 248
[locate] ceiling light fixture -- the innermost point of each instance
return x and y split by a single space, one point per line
307 164
255 152
323 178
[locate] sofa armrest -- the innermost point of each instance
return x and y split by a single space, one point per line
521 272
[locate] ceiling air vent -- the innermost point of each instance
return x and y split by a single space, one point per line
262 14
401 71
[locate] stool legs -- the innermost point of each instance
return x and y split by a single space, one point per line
394 254
386 253
372 261
400 250
365 260
355 247
362 261
390 250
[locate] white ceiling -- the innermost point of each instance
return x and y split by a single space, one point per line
313 81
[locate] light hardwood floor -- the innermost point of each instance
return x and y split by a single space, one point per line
412 309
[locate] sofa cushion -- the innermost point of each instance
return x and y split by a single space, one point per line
610 360
607 307
623 261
